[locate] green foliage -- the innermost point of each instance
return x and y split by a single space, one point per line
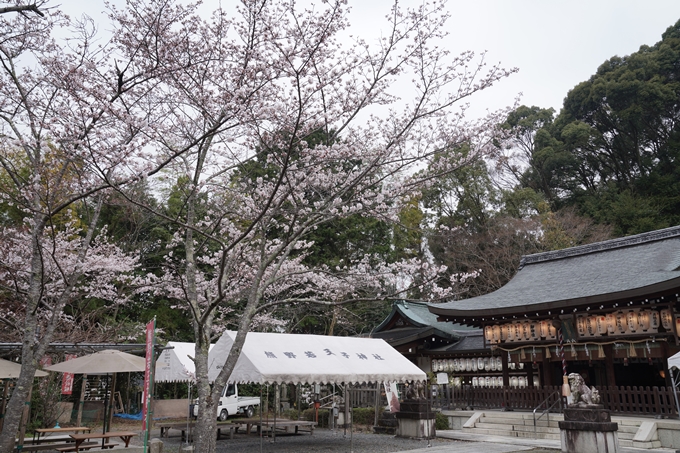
363 415
324 417
441 421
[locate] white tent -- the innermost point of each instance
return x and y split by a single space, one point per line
290 358
674 362
175 364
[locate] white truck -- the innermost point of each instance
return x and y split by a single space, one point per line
231 404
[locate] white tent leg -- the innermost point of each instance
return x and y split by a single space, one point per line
674 380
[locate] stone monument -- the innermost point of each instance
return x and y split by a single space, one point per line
415 418
587 426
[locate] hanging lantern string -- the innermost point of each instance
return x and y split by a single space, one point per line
564 361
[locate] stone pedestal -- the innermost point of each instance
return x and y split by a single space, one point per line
588 430
415 420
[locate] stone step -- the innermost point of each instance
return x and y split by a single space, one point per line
509 433
523 428
553 422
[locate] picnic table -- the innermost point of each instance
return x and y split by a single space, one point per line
80 439
165 427
40 434
277 424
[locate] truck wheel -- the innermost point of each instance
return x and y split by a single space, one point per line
250 411
223 415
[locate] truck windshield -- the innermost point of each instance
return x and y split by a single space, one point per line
230 390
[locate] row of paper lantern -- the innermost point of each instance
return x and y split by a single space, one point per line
619 323
496 381
624 322
473 364
520 331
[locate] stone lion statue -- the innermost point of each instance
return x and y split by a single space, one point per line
580 393
415 391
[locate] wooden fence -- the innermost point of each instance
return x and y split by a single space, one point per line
620 400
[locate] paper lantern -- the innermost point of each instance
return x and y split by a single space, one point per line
487 382
667 319
581 326
499 364
488 334
475 381
621 322
504 332
611 323
643 320
513 381
518 331
544 329
632 319
473 364
468 365
601 322
510 332
591 325
480 363
496 333
535 328
654 319
552 332
526 330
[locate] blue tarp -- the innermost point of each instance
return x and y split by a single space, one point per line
130 416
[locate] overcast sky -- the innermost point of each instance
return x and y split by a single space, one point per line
555 43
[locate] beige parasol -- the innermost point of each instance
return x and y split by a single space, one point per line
11 370
102 362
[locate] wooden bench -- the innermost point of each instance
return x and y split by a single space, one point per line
278 424
83 446
40 434
79 439
47 446
165 427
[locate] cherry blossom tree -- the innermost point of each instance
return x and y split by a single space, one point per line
70 125
274 122
263 125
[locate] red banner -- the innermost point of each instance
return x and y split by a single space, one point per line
67 378
147 371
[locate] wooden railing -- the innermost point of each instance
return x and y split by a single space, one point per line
620 400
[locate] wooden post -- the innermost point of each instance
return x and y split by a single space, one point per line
24 417
81 401
506 371
377 403
3 402
609 364
111 402
547 372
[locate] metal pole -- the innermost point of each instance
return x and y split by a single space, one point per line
675 389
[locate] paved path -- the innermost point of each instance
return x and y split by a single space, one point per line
499 444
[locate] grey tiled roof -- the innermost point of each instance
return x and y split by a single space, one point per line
618 269
418 314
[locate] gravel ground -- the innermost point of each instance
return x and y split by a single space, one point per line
323 440
329 441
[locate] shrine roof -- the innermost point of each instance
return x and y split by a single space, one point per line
593 274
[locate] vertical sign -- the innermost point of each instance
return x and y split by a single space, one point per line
148 377
67 379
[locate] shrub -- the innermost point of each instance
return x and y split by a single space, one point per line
441 421
364 415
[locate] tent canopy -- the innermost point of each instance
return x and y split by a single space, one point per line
269 358
290 358
175 363
674 361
